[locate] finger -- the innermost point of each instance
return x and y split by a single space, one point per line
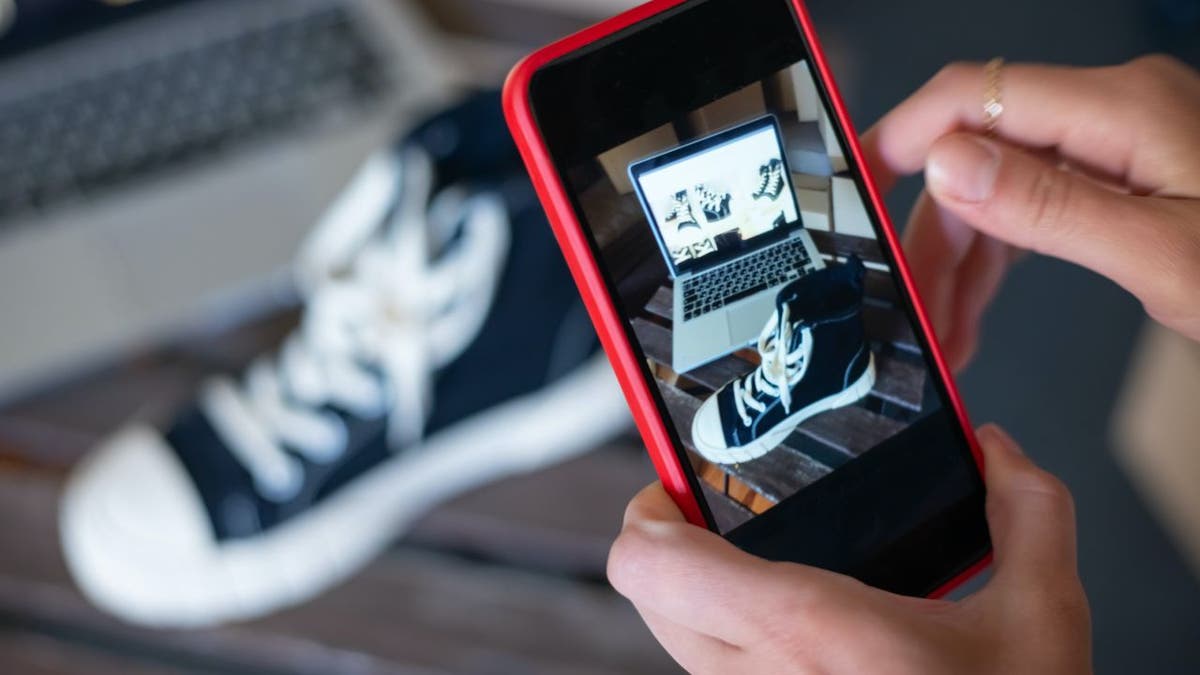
957 271
693 651
1031 517
1148 245
978 281
653 504
1079 111
936 242
697 579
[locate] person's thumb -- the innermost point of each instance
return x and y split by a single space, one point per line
1149 245
1031 517
694 578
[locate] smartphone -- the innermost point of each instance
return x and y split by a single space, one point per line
708 191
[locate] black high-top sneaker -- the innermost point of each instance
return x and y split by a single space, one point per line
771 182
680 215
714 205
442 345
814 358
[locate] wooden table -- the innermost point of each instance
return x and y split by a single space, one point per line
505 579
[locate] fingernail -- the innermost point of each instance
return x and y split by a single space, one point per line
991 435
964 168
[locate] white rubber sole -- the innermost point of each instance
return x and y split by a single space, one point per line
773 438
198 583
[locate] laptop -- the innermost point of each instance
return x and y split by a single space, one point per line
161 160
724 213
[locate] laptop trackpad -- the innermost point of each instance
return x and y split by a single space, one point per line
701 340
747 318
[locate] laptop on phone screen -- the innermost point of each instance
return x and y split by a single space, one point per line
724 213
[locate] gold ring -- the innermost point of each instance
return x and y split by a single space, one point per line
993 104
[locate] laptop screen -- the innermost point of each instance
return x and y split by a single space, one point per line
29 24
719 195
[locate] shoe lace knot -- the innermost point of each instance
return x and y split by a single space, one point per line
784 363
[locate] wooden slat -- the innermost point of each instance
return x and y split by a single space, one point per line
889 326
53 428
899 382
508 522
895 381
844 245
776 475
29 653
728 513
448 614
722 481
410 611
852 430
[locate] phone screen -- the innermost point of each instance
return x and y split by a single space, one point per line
733 228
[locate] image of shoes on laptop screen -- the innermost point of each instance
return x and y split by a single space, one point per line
726 219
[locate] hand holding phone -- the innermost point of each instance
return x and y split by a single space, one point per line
711 199
1109 197
1031 617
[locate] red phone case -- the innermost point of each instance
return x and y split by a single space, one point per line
600 306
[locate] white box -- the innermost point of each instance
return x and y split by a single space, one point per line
616 161
833 147
849 213
814 208
740 106
804 87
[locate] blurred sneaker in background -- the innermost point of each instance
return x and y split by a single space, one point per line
443 345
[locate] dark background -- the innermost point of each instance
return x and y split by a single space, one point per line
1056 344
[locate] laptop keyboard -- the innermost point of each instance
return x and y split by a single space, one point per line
125 124
744 277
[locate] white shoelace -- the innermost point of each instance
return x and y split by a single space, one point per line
764 180
780 370
681 208
770 185
709 201
383 313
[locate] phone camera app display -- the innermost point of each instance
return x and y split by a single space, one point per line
744 257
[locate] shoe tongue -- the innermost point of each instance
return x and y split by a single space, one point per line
834 289
469 140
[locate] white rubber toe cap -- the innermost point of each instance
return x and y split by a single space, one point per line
135 533
707 433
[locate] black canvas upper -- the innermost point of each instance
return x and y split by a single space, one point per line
829 302
518 351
